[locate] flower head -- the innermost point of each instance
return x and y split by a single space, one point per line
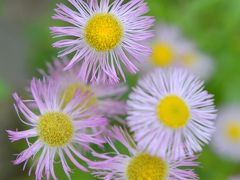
138 163
105 97
170 113
107 36
170 48
196 61
226 140
167 46
58 131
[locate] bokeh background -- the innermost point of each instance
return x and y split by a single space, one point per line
25 46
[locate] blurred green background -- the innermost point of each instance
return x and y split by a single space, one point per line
25 46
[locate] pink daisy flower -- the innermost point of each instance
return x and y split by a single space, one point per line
58 132
106 36
171 113
106 98
138 163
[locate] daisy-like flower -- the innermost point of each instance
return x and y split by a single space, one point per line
139 164
166 47
226 140
107 34
171 48
196 61
170 113
105 97
55 132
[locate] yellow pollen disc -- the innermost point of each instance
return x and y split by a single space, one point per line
189 59
55 129
233 131
173 112
71 90
103 32
146 167
162 55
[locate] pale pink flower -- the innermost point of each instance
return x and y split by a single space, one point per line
106 36
106 97
137 163
55 131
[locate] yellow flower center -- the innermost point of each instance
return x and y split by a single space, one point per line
233 131
55 129
71 90
146 167
162 55
189 59
103 32
173 112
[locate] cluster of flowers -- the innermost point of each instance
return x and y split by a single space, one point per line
71 108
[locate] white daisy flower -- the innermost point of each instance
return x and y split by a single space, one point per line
226 140
170 112
170 48
196 61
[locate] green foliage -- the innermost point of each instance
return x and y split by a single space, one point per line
4 90
1 6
